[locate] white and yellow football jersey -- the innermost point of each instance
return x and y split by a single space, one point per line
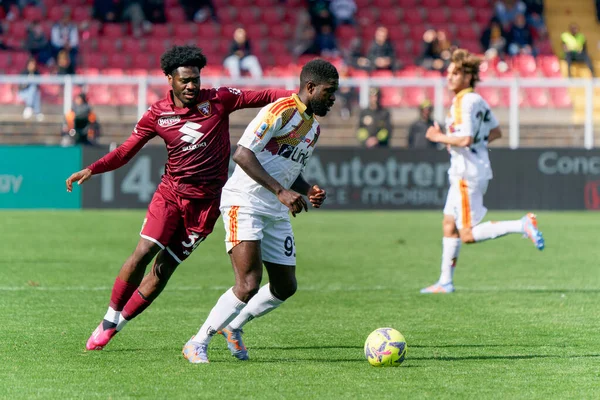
283 137
470 115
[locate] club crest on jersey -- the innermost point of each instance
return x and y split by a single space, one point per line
168 121
204 108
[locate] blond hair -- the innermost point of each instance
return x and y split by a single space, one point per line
468 63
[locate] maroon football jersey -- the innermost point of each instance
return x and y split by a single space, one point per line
197 138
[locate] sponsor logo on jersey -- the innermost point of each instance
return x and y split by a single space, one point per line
194 146
204 108
295 154
168 121
260 132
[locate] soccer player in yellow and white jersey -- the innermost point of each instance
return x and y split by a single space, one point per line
470 127
265 187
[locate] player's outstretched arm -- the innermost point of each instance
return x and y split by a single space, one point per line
435 134
79 177
247 160
316 195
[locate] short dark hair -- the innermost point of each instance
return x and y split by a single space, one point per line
318 71
182 56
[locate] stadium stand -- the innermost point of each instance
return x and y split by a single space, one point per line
110 48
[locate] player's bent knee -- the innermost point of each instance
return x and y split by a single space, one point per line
467 237
286 291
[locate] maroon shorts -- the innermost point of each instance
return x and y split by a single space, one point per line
179 225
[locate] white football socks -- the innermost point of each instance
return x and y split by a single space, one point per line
112 315
262 303
493 230
227 308
450 251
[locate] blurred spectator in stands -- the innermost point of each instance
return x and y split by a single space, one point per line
320 14
154 10
575 47
326 42
199 10
64 64
437 51
30 92
5 11
37 43
418 129
520 39
343 11
354 56
107 10
240 56
64 35
133 12
494 37
381 53
304 41
507 11
534 7
375 123
80 125
346 94
598 10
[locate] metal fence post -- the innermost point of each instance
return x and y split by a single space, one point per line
142 105
68 94
513 117
588 133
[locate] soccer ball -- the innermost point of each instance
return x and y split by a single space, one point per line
385 347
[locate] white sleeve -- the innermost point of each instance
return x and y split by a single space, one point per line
260 131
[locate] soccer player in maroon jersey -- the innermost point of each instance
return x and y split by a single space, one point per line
194 124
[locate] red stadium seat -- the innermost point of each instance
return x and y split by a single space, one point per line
114 31
491 95
437 16
413 16
550 66
31 13
537 97
19 59
382 73
99 95
7 95
89 71
282 59
17 30
413 96
391 97
94 60
124 95
271 16
185 30
118 60
82 13
431 4
408 3
113 71
107 45
175 15
156 46
55 13
560 98
461 16
484 15
472 45
227 15
384 5
525 64
480 3
360 4
390 18
142 60
459 4
161 31
131 45
467 32
255 32
209 30
266 4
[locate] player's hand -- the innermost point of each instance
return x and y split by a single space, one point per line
316 196
78 177
434 132
292 200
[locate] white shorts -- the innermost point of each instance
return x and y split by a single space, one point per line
275 235
465 202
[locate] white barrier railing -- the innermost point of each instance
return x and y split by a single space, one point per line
438 85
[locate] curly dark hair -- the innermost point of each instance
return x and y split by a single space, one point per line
182 56
318 71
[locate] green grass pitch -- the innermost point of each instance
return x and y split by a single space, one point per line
523 324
